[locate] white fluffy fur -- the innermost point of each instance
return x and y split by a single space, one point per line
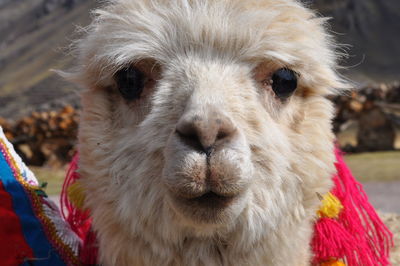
207 54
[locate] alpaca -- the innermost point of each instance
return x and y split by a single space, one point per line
205 136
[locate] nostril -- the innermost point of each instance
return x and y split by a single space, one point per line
186 129
189 138
185 133
204 133
222 135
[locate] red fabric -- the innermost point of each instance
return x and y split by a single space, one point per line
13 247
358 236
89 252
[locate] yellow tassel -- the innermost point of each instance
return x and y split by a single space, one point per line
333 262
76 195
330 207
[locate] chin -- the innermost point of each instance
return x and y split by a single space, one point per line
210 210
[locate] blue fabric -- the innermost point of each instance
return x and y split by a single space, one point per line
45 253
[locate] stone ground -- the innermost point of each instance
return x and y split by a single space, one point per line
392 220
385 196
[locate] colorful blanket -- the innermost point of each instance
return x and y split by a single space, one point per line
32 231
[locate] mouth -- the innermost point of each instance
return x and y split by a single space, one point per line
211 200
210 208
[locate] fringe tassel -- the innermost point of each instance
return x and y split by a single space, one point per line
78 218
76 195
88 253
357 236
333 262
331 206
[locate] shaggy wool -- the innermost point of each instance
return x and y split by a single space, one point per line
352 233
215 62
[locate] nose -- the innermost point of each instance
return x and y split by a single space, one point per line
203 131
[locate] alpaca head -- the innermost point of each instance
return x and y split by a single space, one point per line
205 118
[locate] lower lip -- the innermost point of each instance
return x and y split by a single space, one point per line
211 200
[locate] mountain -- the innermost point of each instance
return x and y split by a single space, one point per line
35 35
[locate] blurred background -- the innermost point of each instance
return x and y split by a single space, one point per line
39 111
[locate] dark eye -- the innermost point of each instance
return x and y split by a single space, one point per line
284 82
130 82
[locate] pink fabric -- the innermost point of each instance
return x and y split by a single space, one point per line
358 236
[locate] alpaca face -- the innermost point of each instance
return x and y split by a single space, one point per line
205 119
208 167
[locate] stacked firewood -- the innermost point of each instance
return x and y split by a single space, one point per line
49 137
44 138
376 112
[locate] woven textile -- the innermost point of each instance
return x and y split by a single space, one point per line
32 231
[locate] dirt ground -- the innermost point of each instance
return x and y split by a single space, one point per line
384 196
393 222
